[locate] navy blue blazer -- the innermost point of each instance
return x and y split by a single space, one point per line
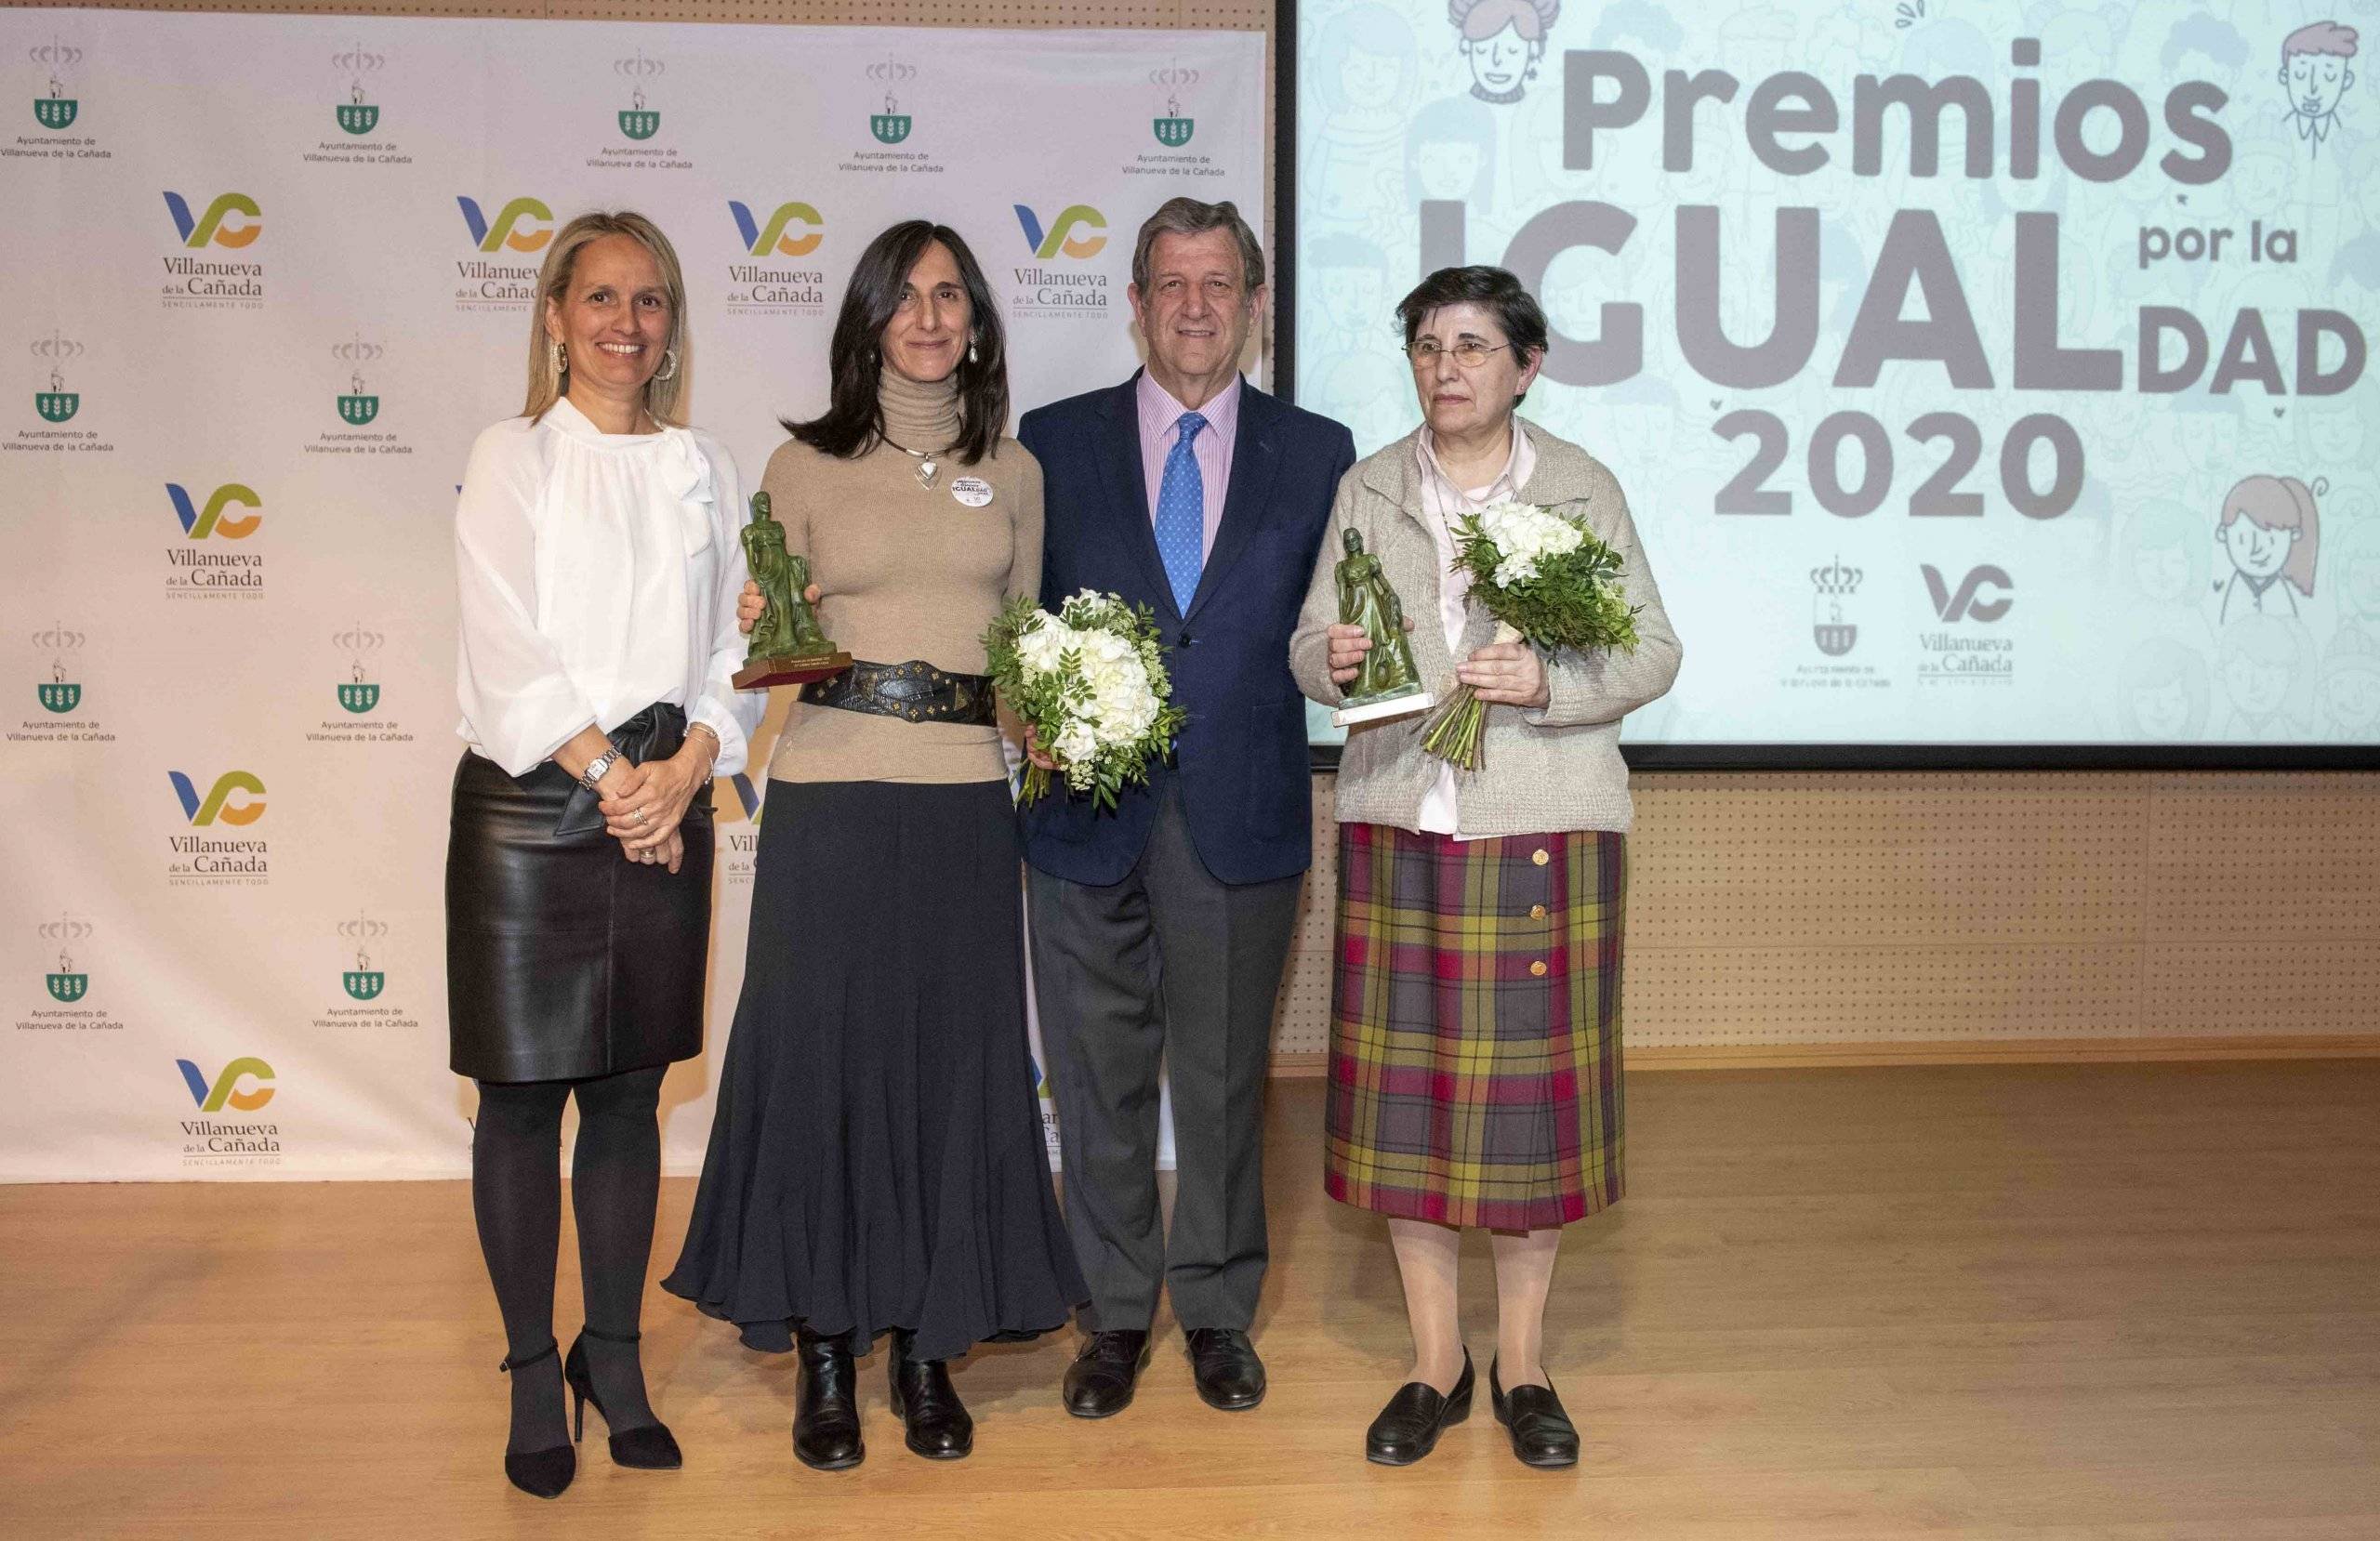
1241 760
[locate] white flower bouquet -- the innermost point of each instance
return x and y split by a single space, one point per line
1547 580
1091 683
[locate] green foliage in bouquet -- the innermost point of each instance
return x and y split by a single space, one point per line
1547 580
1560 599
1091 682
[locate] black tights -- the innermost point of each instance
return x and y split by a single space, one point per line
516 1196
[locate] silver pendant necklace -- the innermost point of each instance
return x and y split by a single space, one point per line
929 466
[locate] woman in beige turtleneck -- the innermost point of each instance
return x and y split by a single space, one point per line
876 1162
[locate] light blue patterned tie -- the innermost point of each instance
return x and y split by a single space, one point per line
1182 514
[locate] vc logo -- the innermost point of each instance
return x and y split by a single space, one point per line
1060 236
770 240
1956 607
226 1088
505 230
211 226
198 523
747 798
217 802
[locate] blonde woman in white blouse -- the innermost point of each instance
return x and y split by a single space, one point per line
598 558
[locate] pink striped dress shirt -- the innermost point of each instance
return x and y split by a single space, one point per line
1212 449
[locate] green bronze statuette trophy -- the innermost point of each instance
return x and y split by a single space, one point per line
788 647
1386 683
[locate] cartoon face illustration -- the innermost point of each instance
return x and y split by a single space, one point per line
2260 177
1349 277
2317 68
2257 687
2315 82
2162 573
1364 58
2162 712
1496 63
2360 575
1449 147
2335 435
2163 551
2270 528
2256 550
1502 41
2349 698
1447 170
1370 80
2363 177
2164 692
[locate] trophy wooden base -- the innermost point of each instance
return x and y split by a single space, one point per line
763 673
1382 707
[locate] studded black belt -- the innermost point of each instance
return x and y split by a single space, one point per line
914 691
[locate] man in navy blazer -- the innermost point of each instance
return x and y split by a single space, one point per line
1160 928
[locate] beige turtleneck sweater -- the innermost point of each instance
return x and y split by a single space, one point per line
904 572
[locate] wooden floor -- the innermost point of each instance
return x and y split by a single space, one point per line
2028 1301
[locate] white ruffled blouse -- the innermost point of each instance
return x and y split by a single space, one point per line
598 574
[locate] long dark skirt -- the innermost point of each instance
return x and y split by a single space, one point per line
565 959
877 1158
1475 1038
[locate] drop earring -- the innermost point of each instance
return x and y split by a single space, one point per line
970 350
557 356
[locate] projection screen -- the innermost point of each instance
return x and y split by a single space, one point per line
1979 375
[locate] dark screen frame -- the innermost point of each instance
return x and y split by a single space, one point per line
1757 757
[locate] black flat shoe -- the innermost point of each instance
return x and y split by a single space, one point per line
1223 1362
1099 1383
938 1426
826 1404
539 1473
1407 1428
1542 1434
648 1447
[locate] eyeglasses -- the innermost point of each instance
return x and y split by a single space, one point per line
1468 353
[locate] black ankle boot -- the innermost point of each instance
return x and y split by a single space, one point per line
939 1427
646 1446
541 1473
826 1404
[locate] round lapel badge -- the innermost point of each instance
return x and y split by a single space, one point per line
973 491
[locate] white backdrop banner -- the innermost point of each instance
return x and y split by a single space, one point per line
274 274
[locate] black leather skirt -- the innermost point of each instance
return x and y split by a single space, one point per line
565 959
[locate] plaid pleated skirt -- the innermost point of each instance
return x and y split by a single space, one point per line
1475 1044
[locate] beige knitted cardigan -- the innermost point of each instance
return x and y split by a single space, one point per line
1544 771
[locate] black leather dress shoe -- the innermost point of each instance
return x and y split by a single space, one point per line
1223 1364
826 1404
1407 1428
1099 1383
1542 1434
938 1426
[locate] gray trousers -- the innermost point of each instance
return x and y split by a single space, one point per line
1168 962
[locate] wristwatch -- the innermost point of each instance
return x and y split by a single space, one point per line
593 775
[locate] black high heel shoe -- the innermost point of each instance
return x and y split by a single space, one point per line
938 1426
539 1473
826 1404
1407 1428
650 1447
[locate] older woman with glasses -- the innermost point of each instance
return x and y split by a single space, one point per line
1475 1060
